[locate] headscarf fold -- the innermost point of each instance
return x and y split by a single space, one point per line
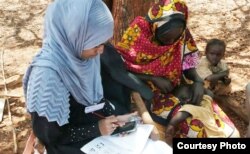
143 54
164 9
72 26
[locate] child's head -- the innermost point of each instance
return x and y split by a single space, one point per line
215 51
183 92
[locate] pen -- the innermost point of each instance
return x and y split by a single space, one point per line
103 117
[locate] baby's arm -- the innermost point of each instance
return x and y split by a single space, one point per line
176 119
179 117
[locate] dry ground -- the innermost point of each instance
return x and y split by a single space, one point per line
21 37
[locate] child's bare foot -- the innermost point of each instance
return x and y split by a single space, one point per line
169 134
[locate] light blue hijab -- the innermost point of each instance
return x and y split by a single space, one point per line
72 26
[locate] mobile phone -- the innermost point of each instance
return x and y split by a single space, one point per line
127 128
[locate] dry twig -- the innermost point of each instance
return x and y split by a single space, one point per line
7 99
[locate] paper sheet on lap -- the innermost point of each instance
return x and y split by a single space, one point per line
133 143
157 147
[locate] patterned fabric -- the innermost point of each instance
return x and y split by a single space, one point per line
194 128
47 95
166 8
143 54
208 120
190 61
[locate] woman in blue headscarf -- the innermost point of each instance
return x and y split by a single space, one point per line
64 78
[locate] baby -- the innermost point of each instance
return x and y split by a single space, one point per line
184 93
203 112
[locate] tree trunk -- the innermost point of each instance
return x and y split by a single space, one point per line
124 11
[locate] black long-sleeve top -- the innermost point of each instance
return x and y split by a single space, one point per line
69 138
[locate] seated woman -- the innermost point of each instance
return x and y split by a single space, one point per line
221 126
64 81
64 78
160 50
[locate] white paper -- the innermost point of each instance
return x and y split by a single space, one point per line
94 108
157 147
130 144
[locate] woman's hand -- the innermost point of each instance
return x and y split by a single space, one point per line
198 92
163 84
197 86
108 125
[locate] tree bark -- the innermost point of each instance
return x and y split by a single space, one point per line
124 11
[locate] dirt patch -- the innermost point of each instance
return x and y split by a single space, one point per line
21 37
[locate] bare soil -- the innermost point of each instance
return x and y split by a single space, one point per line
21 27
